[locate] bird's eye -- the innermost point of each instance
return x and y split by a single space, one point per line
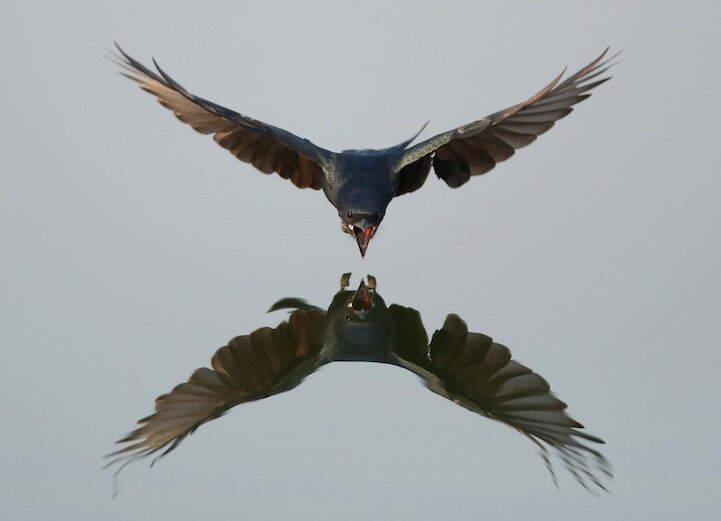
349 214
348 318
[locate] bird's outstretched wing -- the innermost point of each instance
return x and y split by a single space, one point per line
478 374
475 148
266 362
267 148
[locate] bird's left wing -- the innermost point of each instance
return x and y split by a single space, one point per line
266 362
267 148
479 374
475 148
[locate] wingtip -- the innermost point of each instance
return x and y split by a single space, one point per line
122 52
171 82
115 54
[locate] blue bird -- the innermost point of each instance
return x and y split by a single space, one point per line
360 184
467 368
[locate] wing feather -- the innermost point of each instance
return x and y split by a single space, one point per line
268 148
250 367
479 374
476 148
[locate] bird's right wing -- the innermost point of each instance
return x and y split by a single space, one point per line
478 374
266 362
267 148
477 147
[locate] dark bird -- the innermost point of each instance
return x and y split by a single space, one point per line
467 368
361 183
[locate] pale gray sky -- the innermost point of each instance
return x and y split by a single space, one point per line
133 247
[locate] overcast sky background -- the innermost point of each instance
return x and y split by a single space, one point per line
133 247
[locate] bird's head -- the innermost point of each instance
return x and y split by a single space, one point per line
361 225
361 202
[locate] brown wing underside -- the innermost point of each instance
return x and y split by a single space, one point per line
250 367
479 374
267 148
476 148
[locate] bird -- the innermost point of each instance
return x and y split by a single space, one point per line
360 184
467 368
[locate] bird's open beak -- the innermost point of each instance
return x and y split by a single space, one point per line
363 233
362 302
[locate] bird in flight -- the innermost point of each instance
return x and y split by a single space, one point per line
467 368
360 184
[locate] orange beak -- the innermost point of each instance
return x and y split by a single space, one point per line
363 237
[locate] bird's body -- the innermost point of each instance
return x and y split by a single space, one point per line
360 181
467 368
360 184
